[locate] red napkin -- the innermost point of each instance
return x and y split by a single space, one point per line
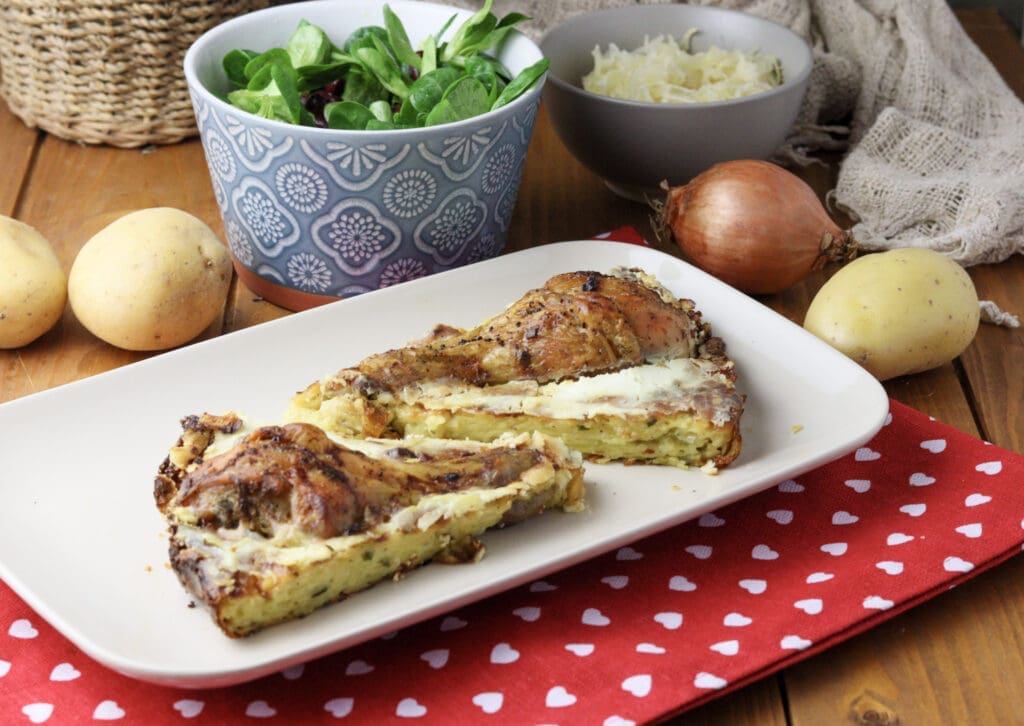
657 627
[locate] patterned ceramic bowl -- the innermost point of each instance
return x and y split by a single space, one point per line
313 214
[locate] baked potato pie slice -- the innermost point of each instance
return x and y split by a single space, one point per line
613 364
270 523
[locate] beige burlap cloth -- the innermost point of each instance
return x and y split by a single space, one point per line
933 137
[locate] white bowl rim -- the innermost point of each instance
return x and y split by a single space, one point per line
654 106
192 80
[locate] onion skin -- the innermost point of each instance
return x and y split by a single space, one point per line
753 225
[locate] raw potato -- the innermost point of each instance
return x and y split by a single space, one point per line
151 280
897 312
33 286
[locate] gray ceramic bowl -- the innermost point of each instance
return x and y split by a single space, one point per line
314 214
634 146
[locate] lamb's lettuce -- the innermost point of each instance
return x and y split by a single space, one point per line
376 79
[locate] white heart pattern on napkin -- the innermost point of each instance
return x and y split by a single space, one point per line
920 479
836 549
628 553
701 552
866 454
858 485
754 587
111 711
452 623
650 648
503 654
890 567
593 616
709 681
794 642
437 658
22 629
736 620
38 712
710 519
955 564
811 606
681 584
876 602
340 707
726 647
973 530
638 685
616 720
898 538
989 467
410 708
358 668
189 708
558 697
580 649
64 672
527 614
489 701
670 621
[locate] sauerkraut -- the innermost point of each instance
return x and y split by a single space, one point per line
664 70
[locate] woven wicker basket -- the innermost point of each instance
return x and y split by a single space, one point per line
105 71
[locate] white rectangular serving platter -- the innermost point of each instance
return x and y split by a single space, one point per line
82 543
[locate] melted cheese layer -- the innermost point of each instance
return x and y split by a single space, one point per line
679 384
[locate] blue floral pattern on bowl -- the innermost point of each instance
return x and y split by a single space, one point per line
333 215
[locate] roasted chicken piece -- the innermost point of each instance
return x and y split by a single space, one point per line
296 476
268 524
613 364
577 324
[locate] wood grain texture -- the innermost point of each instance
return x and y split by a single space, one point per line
16 155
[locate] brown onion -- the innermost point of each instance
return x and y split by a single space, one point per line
753 225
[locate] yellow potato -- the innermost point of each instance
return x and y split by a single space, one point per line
33 286
897 312
151 280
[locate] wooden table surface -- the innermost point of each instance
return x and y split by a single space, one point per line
957 659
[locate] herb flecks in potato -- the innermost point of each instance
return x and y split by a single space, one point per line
151 280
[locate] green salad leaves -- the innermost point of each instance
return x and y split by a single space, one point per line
376 79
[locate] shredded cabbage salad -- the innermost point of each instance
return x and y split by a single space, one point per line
664 70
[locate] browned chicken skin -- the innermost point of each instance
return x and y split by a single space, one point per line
578 323
662 330
294 474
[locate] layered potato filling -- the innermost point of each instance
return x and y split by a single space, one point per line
679 412
261 544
